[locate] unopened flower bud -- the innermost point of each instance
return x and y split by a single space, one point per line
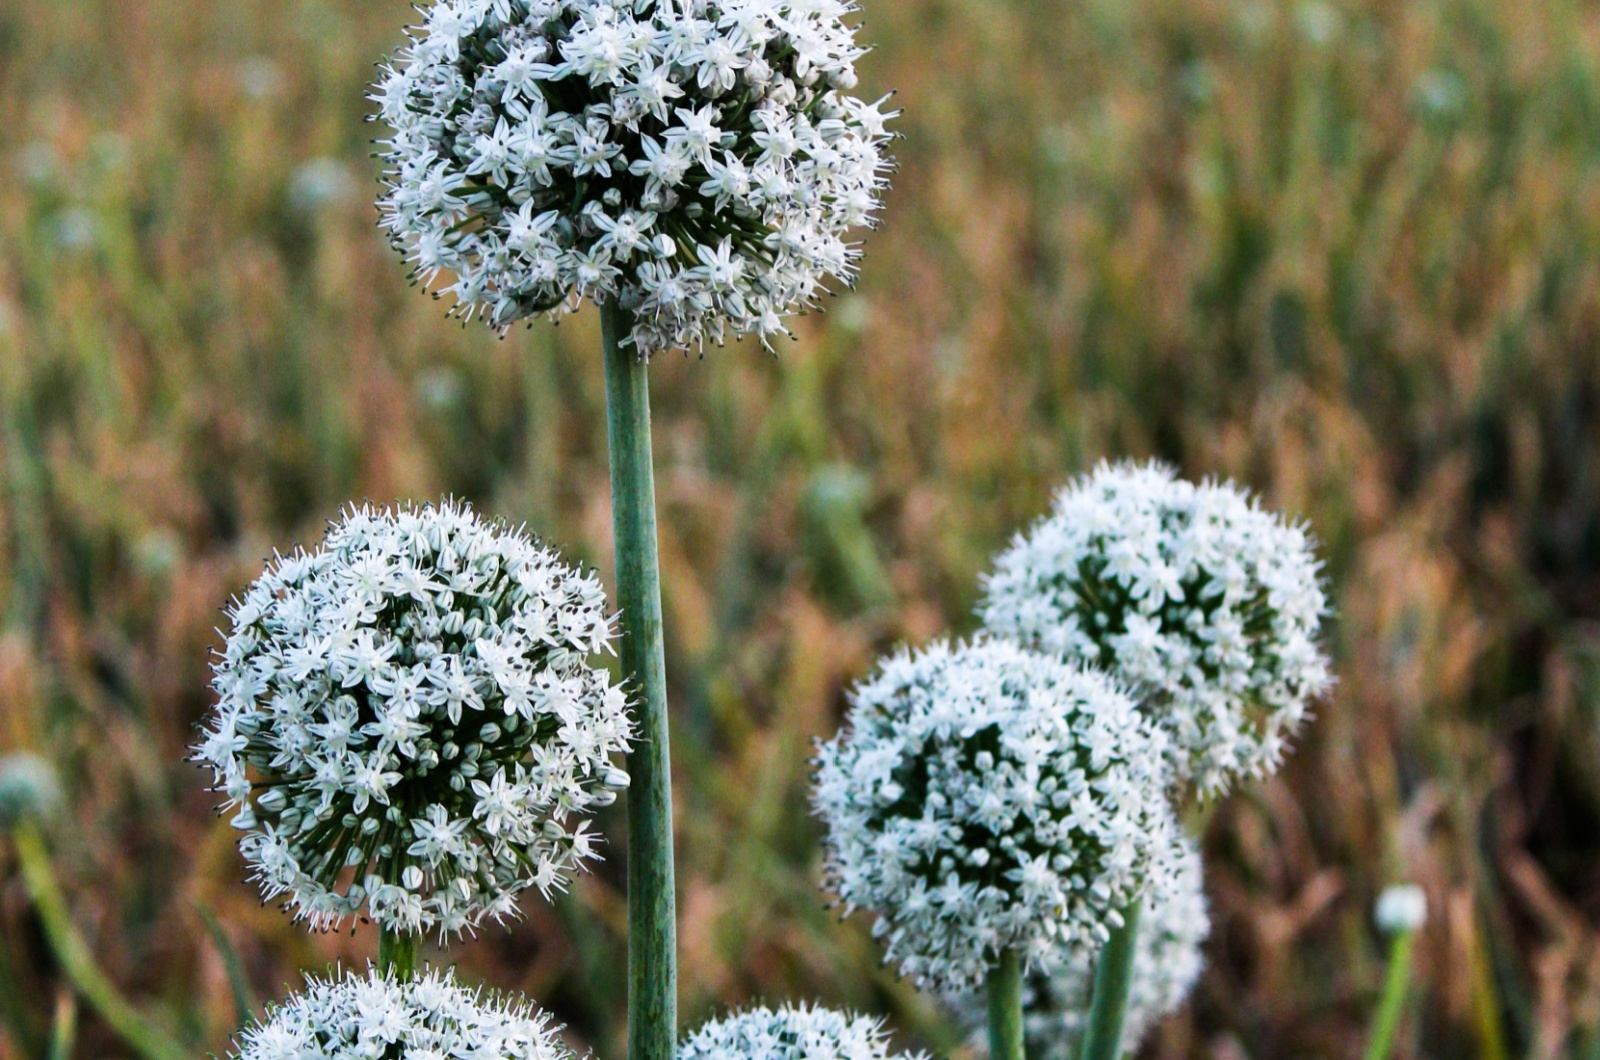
29 790
1401 908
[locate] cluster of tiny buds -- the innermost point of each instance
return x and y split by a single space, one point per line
698 162
984 797
409 724
426 1017
1204 606
792 1032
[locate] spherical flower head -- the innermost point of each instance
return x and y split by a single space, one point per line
1167 962
429 1017
793 1032
1204 606
29 790
699 162
984 798
409 723
1401 908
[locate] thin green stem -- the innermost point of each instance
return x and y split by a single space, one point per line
1113 978
1387 1025
64 1034
652 927
1005 1008
75 959
244 1002
397 953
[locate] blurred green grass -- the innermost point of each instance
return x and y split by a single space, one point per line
1348 253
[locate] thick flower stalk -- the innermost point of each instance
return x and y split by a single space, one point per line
1204 606
984 799
431 1017
793 1032
699 163
1168 958
409 725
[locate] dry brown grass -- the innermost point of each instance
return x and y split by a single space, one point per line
1347 253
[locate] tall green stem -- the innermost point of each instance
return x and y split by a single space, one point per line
1393 1005
1005 1008
73 954
652 912
397 953
1113 978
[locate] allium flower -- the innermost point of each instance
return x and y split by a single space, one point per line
1403 907
984 798
697 160
793 1032
430 1017
408 721
1206 607
29 789
1166 964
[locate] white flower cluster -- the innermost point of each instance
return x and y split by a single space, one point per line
793 1032
408 721
698 161
1206 607
429 1017
1167 962
985 797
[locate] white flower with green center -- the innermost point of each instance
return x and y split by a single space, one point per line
1168 959
700 162
409 724
984 798
793 1032
1204 606
432 1016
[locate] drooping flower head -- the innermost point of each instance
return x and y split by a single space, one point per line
409 722
793 1032
1167 961
984 797
699 161
429 1017
1206 607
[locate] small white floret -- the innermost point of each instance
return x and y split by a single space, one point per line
30 791
1401 908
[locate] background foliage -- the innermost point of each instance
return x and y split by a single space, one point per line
1345 252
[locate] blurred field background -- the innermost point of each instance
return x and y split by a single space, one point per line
1346 252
